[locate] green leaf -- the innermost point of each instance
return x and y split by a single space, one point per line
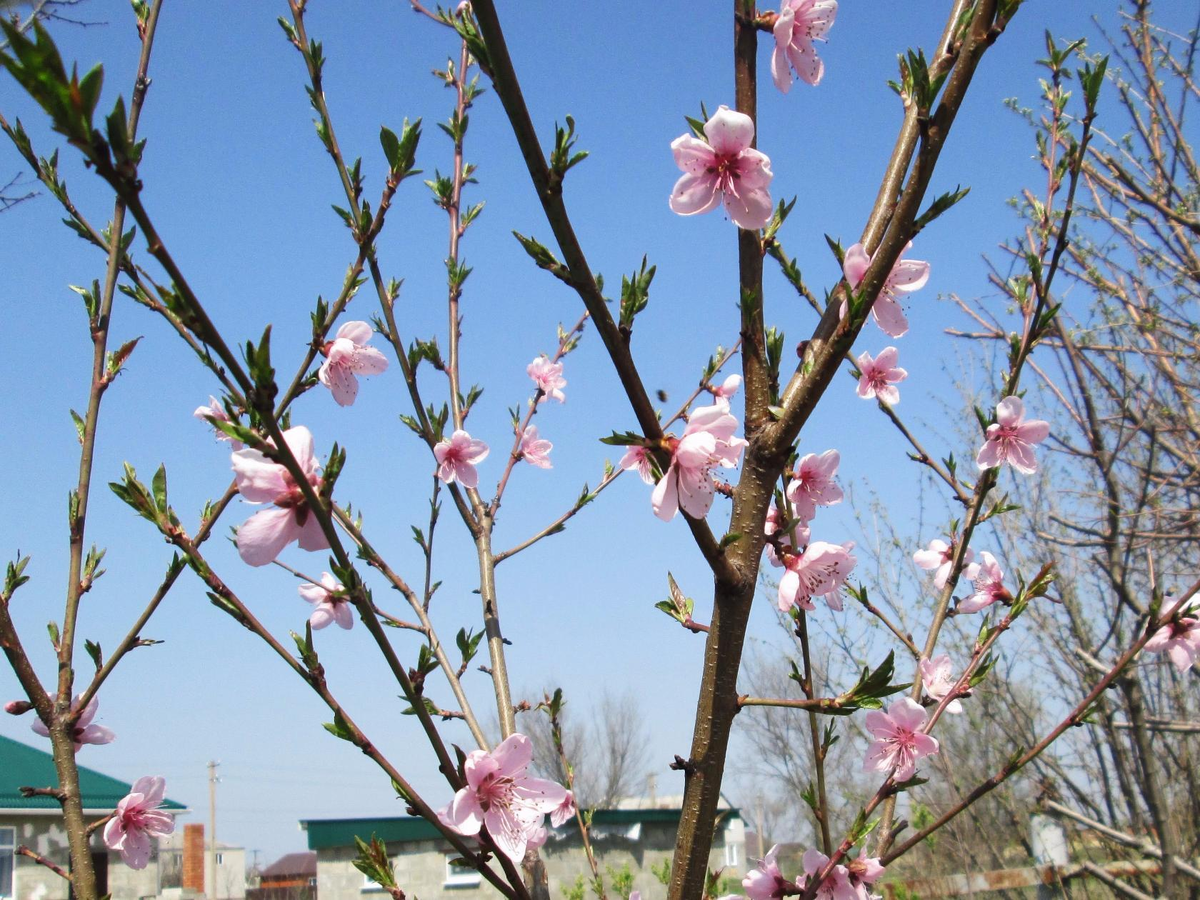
339 727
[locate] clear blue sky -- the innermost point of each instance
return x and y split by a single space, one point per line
241 188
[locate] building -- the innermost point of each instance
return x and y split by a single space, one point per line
291 877
36 822
642 839
184 863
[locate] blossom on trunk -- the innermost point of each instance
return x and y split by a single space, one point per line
820 570
799 23
263 536
940 556
84 732
907 275
458 457
136 820
879 376
330 606
898 743
501 796
989 586
547 376
937 679
1179 639
564 811
638 458
216 410
797 536
707 441
1011 439
346 356
728 387
535 450
725 168
766 882
812 484
836 885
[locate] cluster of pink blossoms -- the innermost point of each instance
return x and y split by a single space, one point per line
844 882
1011 439
346 356
85 731
813 568
503 798
707 441
329 602
986 577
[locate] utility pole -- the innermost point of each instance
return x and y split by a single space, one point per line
758 809
210 885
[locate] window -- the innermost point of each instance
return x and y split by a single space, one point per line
8 843
460 876
731 853
220 859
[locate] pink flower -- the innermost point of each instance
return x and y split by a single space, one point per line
347 355
766 882
501 796
260 480
547 376
535 450
797 537
564 811
728 387
861 872
800 22
725 168
940 556
330 607
937 679
85 731
880 376
638 458
1180 639
836 885
820 570
136 820
1011 439
707 441
907 275
216 410
898 742
458 457
812 484
989 586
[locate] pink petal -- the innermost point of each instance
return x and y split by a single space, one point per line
1010 411
466 475
543 795
889 316
803 57
694 194
887 358
695 492
263 536
311 536
1033 431
96 734
343 614
135 851
358 332
879 724
464 814
340 381
750 209
507 831
258 479
368 361
754 170
1021 457
300 441
151 787
931 558
692 155
908 275
729 132
926 745
513 755
1181 656
321 616
989 455
37 726
664 500
855 264
781 72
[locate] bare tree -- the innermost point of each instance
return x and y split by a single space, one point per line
607 752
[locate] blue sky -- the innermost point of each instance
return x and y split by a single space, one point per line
241 189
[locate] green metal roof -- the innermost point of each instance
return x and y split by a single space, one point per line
25 766
326 833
